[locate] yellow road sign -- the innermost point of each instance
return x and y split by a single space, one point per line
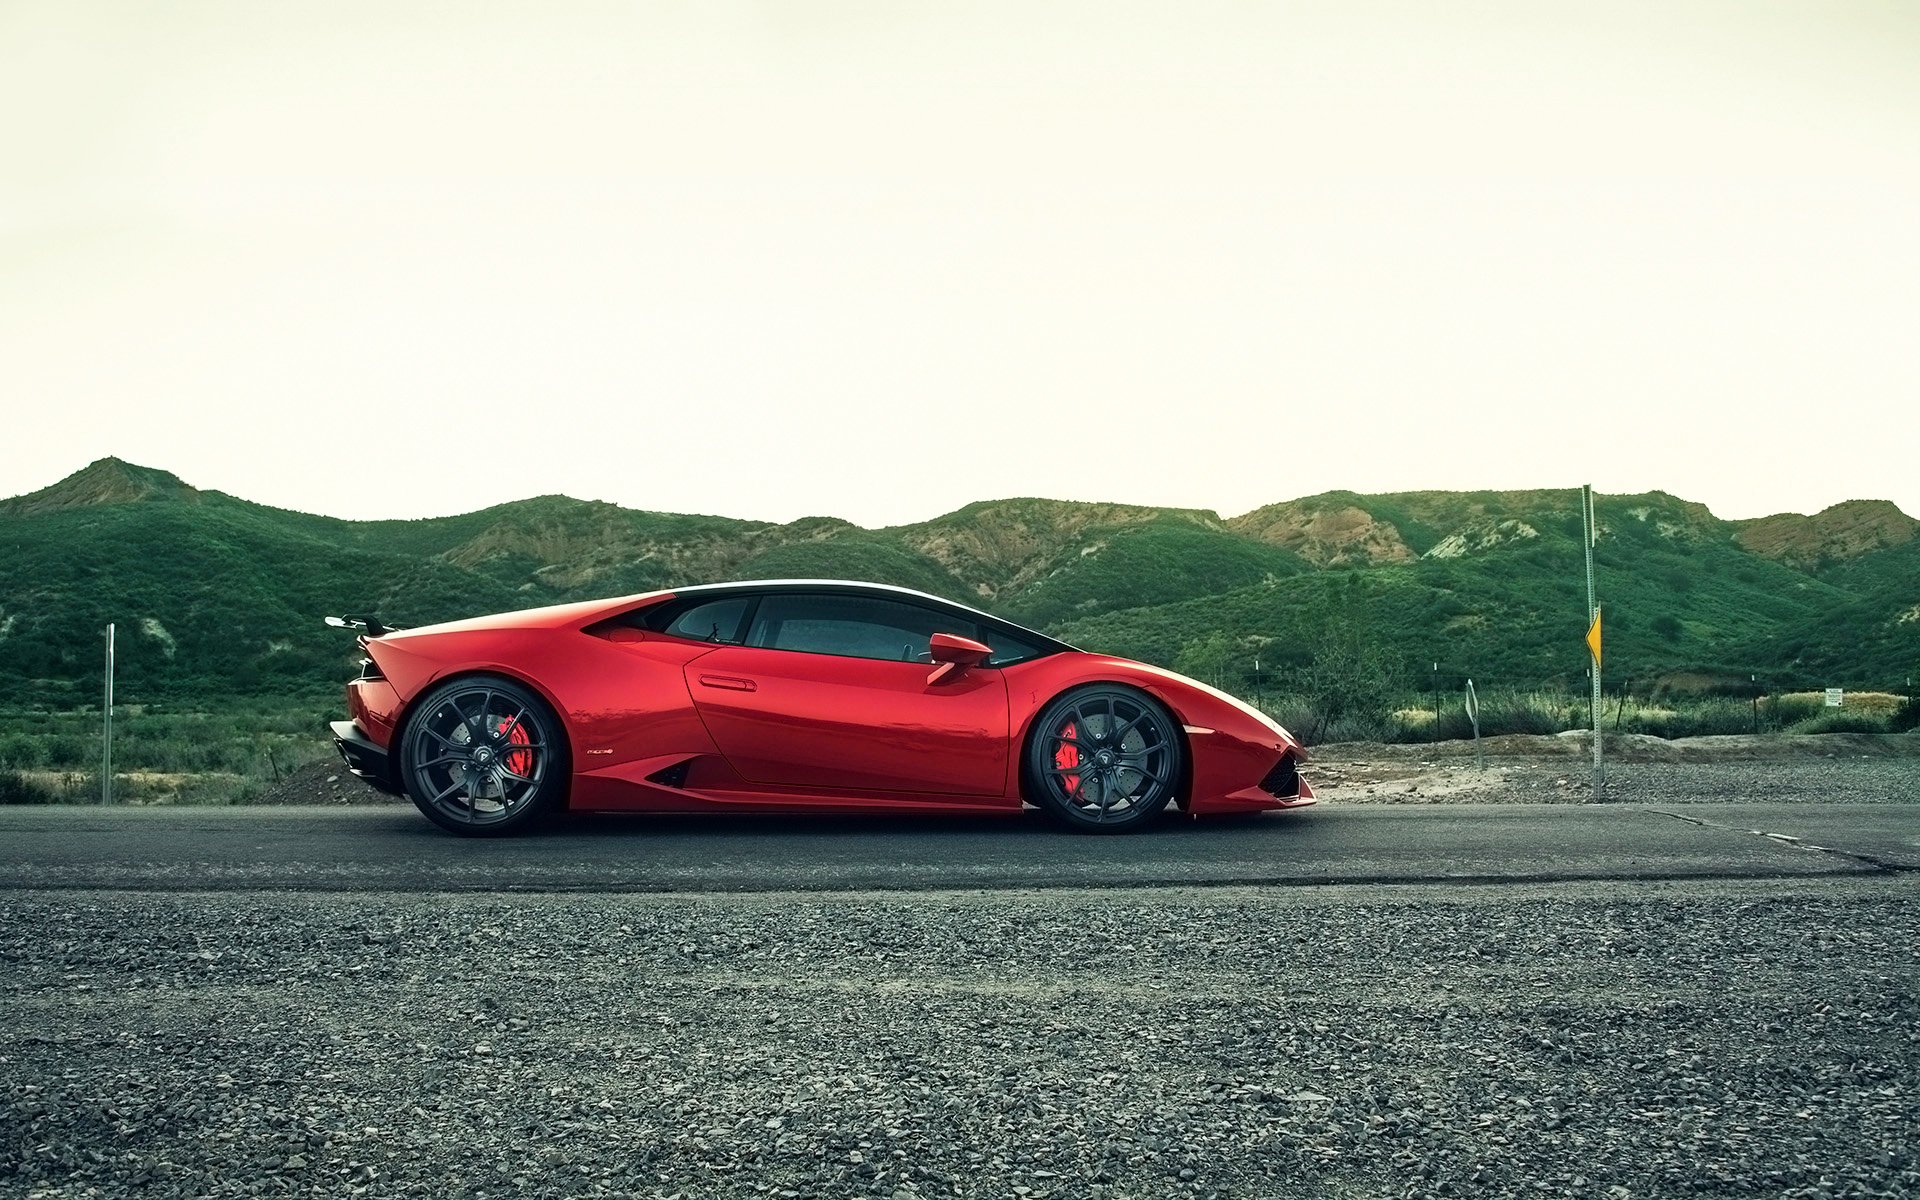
1593 637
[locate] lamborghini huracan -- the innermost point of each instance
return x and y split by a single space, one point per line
792 696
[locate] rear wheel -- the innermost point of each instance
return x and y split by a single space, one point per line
1104 758
484 756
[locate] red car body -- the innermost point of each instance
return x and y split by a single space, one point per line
666 724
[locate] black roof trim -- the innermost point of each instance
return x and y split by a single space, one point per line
886 590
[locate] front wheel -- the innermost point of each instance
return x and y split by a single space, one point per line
484 756
1104 759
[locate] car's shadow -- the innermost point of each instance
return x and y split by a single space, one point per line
1030 823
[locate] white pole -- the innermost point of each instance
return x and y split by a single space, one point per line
106 734
1473 714
1592 524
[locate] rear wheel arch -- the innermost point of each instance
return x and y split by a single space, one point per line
404 720
439 681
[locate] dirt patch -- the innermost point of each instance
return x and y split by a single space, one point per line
1633 747
326 782
1546 769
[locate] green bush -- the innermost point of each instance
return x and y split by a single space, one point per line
1511 712
21 752
1780 712
1839 720
1699 718
16 788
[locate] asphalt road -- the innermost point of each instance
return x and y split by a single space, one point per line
394 849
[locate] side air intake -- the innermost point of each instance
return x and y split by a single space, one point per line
674 776
1283 782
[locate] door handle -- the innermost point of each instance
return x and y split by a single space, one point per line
731 682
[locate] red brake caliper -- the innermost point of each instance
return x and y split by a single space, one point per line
1067 758
520 762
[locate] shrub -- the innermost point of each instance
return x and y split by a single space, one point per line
1839 720
1511 712
1698 719
21 752
1349 677
17 788
1363 727
1782 711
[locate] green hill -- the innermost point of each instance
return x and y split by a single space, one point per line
215 595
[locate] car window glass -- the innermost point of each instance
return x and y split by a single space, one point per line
1007 648
714 621
854 626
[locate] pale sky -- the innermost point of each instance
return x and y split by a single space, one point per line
879 260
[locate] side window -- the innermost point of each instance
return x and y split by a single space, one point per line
714 621
1008 648
853 626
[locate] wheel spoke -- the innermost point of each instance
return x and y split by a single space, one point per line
1129 727
506 731
470 724
1127 757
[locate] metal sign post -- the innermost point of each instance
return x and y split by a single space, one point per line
106 729
1473 714
1592 525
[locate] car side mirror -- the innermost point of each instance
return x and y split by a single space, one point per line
954 654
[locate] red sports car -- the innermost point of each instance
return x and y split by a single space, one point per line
787 697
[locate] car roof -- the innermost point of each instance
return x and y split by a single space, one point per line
854 585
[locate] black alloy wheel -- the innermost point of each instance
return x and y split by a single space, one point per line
484 756
1104 758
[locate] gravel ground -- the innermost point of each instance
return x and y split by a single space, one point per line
1590 1040
1357 773
323 782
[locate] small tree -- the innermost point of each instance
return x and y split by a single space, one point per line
1209 658
1349 676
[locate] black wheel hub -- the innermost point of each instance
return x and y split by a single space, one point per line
1108 756
478 755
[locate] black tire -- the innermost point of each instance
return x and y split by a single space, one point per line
483 756
1104 758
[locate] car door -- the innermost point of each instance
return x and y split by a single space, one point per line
831 691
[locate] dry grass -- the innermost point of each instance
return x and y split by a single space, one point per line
1873 702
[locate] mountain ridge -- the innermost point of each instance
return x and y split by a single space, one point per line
1839 531
1487 580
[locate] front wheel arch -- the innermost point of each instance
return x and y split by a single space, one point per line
1030 786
